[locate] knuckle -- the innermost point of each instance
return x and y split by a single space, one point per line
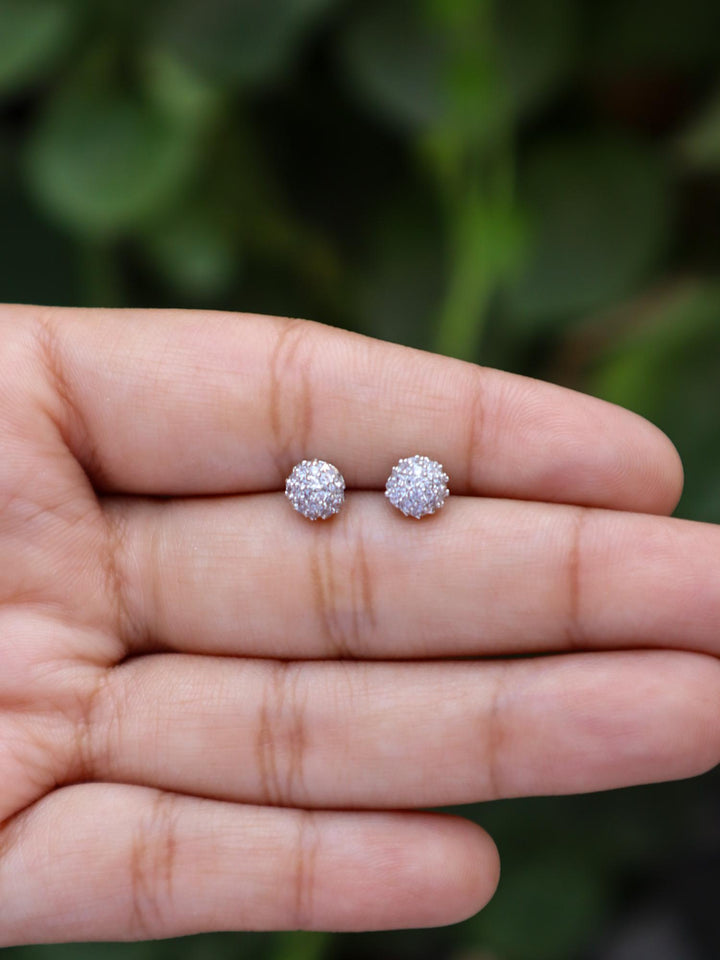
114 570
573 578
475 452
97 720
63 408
152 867
305 870
290 403
281 739
22 395
495 727
342 587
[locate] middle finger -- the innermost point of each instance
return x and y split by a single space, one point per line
248 576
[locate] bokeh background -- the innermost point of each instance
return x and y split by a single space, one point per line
534 184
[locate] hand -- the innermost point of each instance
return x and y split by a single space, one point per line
217 714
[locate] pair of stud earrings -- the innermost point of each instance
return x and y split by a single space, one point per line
417 486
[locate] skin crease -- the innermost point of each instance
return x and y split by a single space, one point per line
215 715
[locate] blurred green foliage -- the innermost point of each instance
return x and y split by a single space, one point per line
534 184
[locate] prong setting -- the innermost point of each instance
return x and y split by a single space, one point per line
417 486
316 489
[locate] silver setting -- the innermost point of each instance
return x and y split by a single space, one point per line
417 486
316 489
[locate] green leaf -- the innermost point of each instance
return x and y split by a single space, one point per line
700 145
398 63
537 43
398 283
237 41
425 65
488 240
37 265
544 909
300 946
101 161
177 90
33 33
195 250
636 35
86 951
665 368
599 206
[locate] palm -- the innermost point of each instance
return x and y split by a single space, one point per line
214 712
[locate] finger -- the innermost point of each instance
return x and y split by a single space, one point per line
195 402
323 734
247 575
101 862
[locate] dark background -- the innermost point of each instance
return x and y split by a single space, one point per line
534 184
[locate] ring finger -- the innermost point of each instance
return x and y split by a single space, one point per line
329 734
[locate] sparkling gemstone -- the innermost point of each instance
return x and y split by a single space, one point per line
417 486
316 489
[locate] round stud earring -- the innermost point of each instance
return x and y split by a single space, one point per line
316 489
417 486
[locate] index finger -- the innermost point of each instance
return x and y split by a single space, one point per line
196 402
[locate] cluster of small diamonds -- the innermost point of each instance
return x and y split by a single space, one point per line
417 486
316 489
